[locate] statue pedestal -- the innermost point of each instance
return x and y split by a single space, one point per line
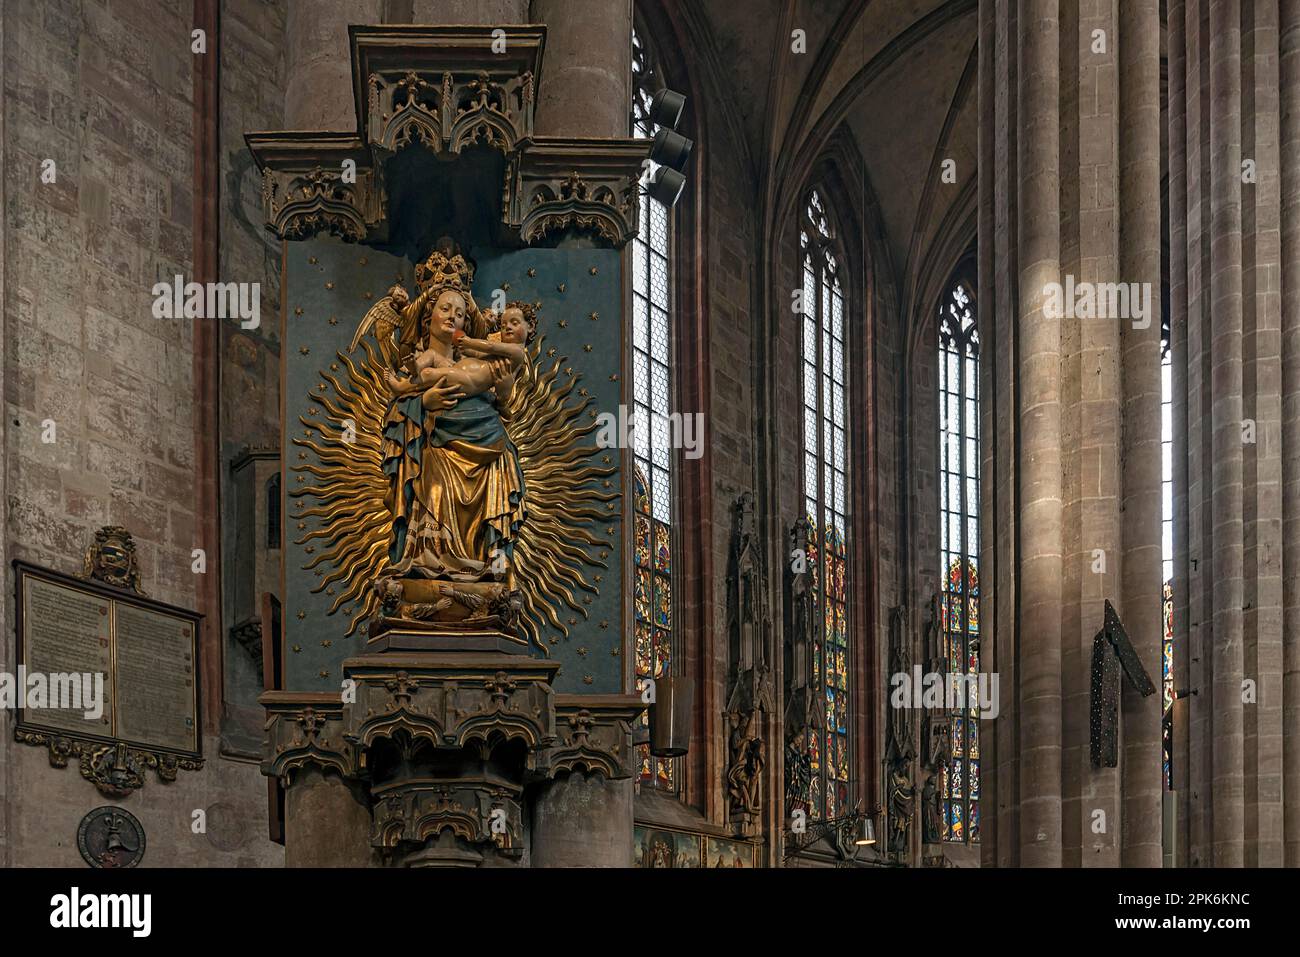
449 741
390 634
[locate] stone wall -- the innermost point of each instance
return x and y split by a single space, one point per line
107 94
730 430
252 98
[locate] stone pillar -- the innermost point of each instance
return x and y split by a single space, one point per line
318 70
1039 424
1199 618
1236 259
326 824
1141 585
1092 566
587 67
1262 467
1226 425
1289 163
1071 139
582 820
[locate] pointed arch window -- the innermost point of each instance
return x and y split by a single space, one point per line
827 748
959 496
654 508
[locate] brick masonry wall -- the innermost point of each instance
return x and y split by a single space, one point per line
107 93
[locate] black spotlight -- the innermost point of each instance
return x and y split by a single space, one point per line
667 185
666 108
670 148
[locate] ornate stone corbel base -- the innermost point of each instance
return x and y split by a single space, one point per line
447 740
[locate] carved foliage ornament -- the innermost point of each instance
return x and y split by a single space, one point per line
607 208
115 769
426 706
301 203
403 723
449 111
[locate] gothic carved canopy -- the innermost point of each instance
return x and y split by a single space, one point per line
448 88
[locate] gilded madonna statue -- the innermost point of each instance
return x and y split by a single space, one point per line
457 490
456 480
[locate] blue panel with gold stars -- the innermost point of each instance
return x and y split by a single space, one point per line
328 288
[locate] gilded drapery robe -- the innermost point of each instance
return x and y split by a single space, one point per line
457 487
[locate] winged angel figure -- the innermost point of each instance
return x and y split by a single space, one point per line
451 481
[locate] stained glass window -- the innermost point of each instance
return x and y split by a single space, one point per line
652 452
959 496
1167 551
824 486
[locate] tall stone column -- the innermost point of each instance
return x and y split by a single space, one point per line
318 71
1234 248
1289 165
1141 583
1199 618
1262 466
1071 206
583 820
1226 424
587 67
1039 339
1092 566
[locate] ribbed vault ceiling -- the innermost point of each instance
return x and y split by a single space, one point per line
891 72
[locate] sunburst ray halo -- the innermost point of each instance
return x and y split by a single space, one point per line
568 494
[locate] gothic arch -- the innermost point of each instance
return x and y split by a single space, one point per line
656 21
840 177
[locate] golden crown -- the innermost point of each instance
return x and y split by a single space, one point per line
444 269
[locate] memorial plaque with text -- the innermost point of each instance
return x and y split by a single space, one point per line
67 632
145 650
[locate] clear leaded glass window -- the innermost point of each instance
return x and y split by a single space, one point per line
652 383
825 487
959 495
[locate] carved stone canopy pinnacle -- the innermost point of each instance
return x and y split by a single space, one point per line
446 89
